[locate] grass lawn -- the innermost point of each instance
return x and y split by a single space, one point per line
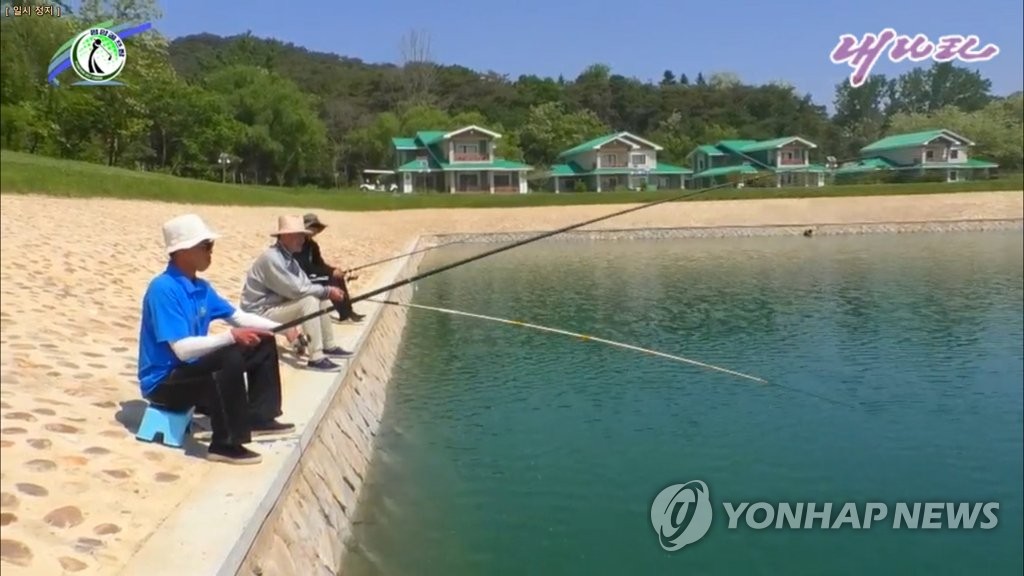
26 173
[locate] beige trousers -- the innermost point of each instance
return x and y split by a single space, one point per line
319 330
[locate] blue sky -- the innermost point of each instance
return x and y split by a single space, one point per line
760 41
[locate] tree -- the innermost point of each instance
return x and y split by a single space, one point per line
592 90
633 106
941 86
723 80
673 138
700 79
93 11
284 137
532 90
551 128
190 127
684 80
668 78
862 113
418 69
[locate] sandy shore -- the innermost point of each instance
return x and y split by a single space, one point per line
79 493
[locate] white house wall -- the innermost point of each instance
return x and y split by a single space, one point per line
586 160
651 156
941 152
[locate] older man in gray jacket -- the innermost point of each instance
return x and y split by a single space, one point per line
278 289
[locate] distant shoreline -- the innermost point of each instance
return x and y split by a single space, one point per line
824 229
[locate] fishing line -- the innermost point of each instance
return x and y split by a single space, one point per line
585 337
618 344
525 241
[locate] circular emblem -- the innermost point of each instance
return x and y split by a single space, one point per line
681 514
98 55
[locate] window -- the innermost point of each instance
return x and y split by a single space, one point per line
640 159
609 159
929 155
466 148
700 163
789 155
954 154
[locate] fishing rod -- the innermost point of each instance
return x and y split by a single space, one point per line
585 337
428 248
523 242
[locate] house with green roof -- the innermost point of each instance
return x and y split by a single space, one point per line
788 158
940 152
615 161
461 160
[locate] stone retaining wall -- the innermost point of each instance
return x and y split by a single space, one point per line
305 533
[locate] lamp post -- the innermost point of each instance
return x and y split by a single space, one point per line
224 160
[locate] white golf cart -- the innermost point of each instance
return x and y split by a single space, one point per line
379 181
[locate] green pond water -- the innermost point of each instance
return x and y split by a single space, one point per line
505 450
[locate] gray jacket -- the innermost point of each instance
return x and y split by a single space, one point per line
275 278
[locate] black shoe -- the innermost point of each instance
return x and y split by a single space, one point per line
337 352
233 455
271 427
323 364
357 318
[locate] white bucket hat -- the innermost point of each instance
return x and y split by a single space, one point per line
186 231
290 225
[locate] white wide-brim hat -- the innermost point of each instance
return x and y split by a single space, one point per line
290 225
185 231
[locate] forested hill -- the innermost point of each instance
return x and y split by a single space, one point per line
329 76
285 115
681 111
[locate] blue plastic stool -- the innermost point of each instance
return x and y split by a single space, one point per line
171 425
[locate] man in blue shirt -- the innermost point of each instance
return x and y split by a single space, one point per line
181 365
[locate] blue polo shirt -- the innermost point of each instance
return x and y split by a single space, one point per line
174 307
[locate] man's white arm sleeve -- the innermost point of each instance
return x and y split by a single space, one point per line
195 346
250 320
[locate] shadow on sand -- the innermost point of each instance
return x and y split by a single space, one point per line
130 416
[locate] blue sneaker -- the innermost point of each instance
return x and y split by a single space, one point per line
337 352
